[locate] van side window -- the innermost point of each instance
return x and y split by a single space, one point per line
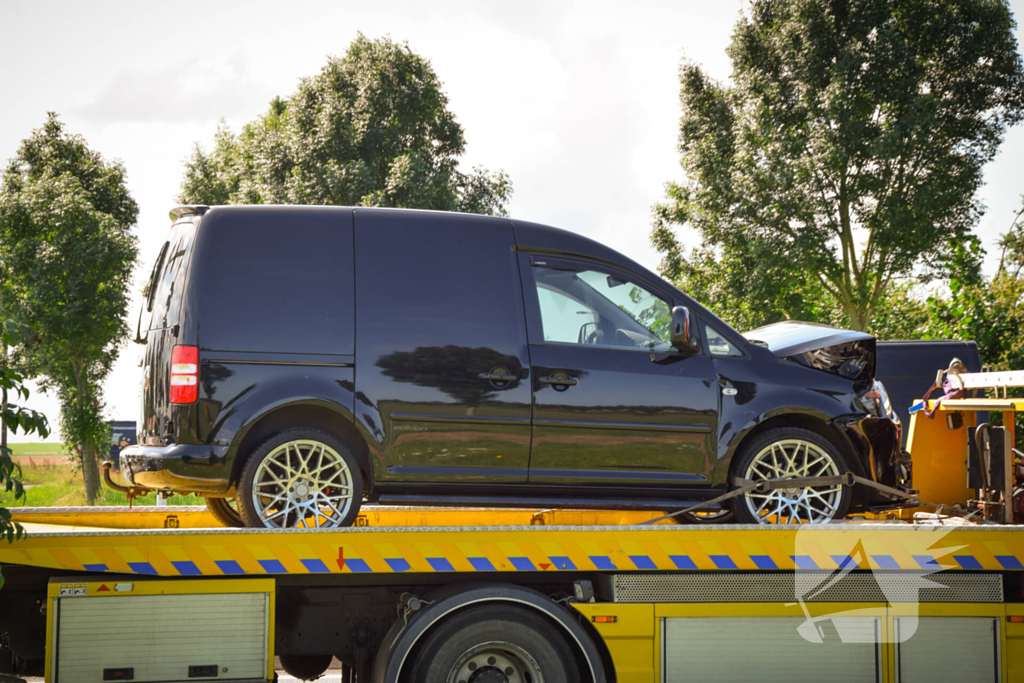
595 308
719 346
564 318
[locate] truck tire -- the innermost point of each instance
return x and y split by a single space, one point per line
786 453
493 642
225 513
301 478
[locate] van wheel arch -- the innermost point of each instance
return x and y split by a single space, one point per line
307 415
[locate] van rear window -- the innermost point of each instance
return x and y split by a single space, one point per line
169 279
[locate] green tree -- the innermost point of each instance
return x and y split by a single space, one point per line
844 157
65 240
14 417
373 128
988 311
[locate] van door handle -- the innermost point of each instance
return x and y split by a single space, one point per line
497 377
563 381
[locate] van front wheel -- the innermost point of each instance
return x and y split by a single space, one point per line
791 453
301 478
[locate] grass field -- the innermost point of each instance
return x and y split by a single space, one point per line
30 449
60 485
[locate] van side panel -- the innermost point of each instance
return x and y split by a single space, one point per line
275 280
439 312
274 300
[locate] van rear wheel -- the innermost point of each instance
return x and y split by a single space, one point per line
301 478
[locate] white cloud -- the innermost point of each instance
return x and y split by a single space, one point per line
199 88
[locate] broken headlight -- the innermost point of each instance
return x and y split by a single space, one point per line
876 401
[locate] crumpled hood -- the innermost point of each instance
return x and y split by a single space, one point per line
845 353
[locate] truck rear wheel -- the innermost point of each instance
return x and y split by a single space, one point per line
301 478
494 643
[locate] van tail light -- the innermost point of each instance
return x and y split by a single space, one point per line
185 374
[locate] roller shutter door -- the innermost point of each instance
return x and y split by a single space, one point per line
944 649
160 636
770 650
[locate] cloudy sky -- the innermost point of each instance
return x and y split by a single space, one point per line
577 101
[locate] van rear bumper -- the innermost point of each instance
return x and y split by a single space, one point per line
178 467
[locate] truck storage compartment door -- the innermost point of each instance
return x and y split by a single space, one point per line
947 649
729 648
161 631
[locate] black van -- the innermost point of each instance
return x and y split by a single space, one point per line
301 360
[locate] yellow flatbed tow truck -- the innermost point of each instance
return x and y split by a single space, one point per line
531 596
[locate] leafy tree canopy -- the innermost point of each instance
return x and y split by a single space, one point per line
988 311
373 128
14 417
843 158
68 253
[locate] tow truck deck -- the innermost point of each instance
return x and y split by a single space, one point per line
481 545
650 586
162 594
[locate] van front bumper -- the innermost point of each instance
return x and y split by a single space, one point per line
178 467
882 456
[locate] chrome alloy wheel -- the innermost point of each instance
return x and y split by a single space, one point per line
496 662
302 483
791 459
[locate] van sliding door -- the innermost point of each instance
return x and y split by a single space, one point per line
442 372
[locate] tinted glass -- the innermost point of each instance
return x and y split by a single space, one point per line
169 282
276 280
597 308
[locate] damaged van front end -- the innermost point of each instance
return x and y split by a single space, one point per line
874 429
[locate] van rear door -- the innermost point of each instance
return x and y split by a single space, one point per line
163 306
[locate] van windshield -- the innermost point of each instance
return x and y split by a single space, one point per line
169 277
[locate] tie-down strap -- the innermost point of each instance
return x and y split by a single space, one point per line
744 486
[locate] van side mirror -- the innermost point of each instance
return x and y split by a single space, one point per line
684 330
